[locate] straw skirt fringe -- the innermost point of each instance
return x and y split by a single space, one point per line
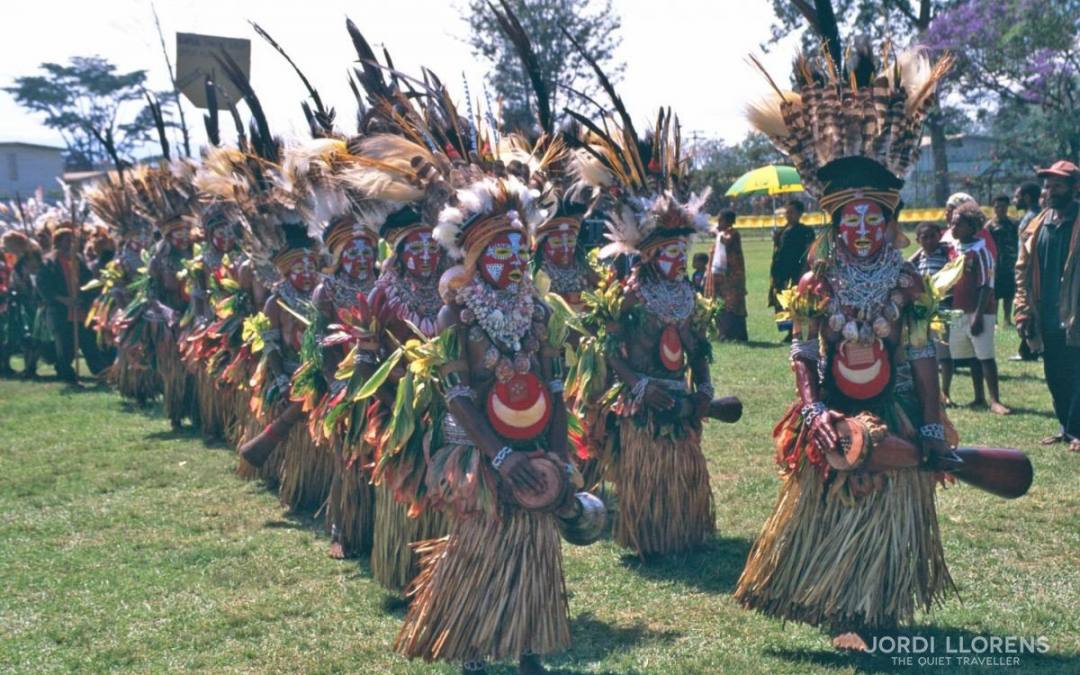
133 377
351 507
491 590
306 471
178 384
824 560
393 561
665 501
214 409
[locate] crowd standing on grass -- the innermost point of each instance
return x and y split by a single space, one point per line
399 327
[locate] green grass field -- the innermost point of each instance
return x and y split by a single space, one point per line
125 546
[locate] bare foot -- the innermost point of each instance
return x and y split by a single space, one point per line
1074 446
530 665
337 551
977 404
849 642
998 409
1052 440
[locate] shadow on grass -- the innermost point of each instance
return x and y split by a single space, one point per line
751 344
595 640
947 643
714 567
172 434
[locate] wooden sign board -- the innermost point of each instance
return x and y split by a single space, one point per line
195 61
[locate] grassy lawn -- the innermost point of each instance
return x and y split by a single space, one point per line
124 546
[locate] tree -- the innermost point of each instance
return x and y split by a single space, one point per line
1023 55
717 165
565 71
84 100
899 20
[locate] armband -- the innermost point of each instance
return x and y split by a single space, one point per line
934 431
556 386
927 351
705 388
811 411
460 391
500 457
804 350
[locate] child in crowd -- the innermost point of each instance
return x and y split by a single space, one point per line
932 255
701 261
972 332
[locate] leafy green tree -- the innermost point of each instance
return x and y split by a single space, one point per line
718 165
593 24
1023 58
87 100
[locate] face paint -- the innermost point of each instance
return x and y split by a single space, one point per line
358 258
420 254
224 237
862 228
559 248
504 260
304 273
671 260
180 238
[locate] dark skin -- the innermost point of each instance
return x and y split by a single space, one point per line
639 356
965 232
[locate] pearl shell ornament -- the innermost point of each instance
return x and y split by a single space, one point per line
882 328
897 297
836 322
891 312
851 331
865 333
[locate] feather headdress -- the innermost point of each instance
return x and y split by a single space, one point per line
854 124
165 194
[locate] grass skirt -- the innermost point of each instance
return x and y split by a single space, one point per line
491 590
848 563
665 501
214 405
178 385
306 471
132 375
393 561
351 507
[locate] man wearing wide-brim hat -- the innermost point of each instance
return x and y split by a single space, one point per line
1047 304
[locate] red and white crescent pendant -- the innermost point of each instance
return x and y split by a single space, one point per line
861 371
671 351
519 408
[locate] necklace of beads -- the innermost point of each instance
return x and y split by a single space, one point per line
344 289
864 302
411 299
670 301
504 314
565 279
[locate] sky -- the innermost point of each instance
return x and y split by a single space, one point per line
689 54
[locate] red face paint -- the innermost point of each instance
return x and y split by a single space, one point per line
671 260
420 253
504 260
862 228
358 258
304 273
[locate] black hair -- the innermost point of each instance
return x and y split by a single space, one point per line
701 256
1001 198
799 206
926 225
727 216
1031 190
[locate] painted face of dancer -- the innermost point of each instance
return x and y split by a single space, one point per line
504 260
862 228
223 237
671 260
559 248
358 258
180 238
420 254
303 274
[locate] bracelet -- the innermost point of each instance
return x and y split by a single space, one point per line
500 457
812 410
556 386
705 388
806 350
638 390
460 391
934 431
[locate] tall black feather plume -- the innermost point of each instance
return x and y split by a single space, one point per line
863 63
262 141
210 119
372 80
159 124
629 133
515 32
323 117
829 30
